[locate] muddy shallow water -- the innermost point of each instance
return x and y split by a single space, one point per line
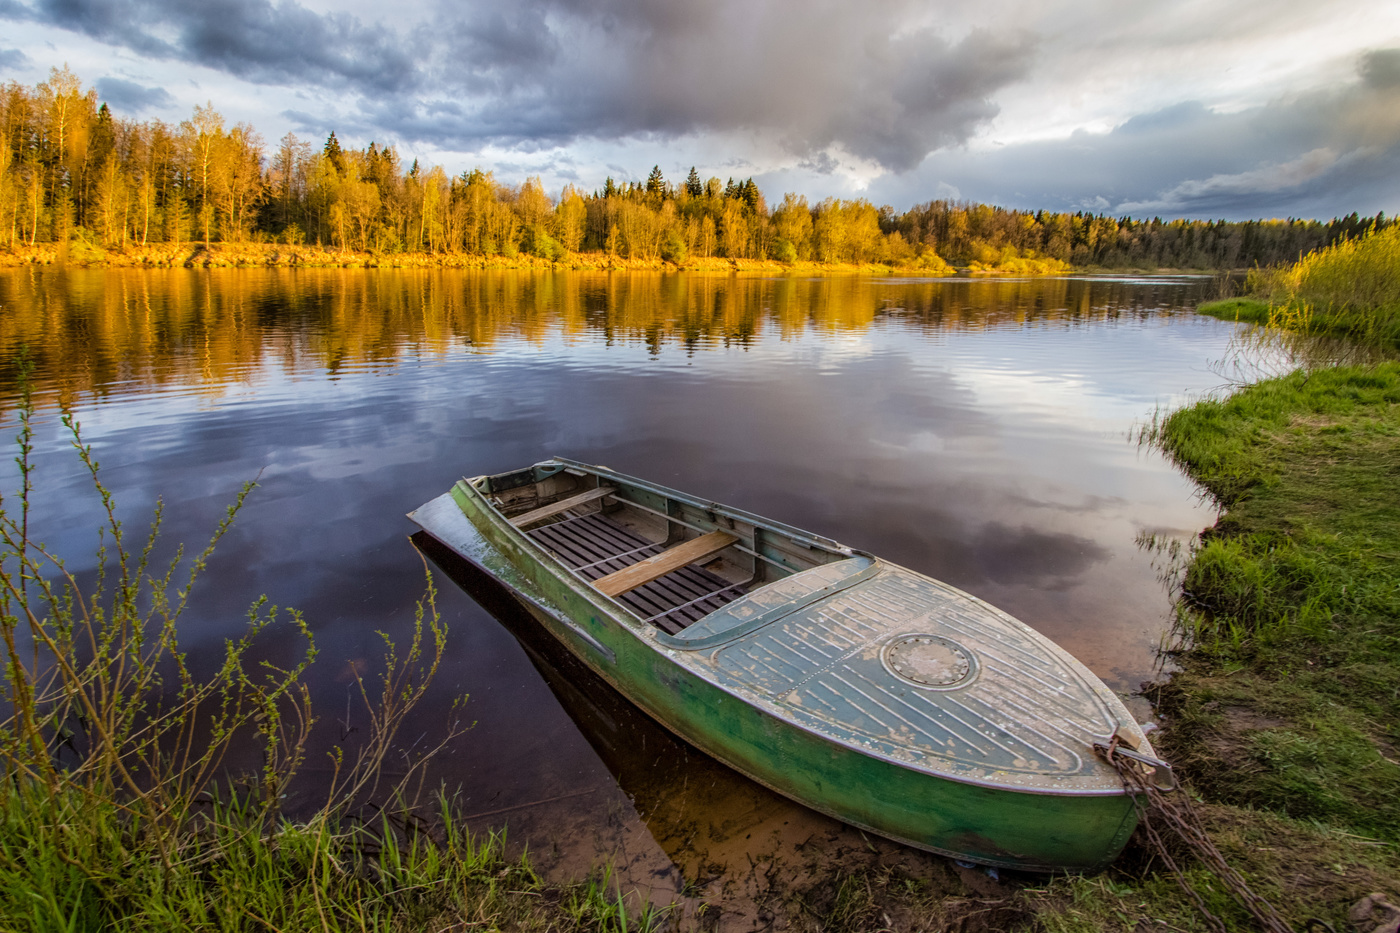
977 431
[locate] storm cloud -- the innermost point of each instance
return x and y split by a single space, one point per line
870 81
251 39
1311 154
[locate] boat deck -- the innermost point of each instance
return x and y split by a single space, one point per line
595 546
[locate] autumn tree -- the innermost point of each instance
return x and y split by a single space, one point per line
236 178
792 224
570 219
288 183
201 135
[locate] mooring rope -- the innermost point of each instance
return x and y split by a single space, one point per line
1159 810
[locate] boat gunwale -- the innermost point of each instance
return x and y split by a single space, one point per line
647 635
1115 844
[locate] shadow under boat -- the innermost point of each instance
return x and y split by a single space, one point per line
705 816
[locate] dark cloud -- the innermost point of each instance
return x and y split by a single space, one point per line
132 97
1307 155
823 163
865 80
13 58
820 77
115 21
1381 70
252 39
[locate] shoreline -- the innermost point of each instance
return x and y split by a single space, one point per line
284 256
1281 721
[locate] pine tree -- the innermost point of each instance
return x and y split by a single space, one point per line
656 184
749 194
693 185
334 154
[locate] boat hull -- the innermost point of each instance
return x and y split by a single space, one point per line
985 824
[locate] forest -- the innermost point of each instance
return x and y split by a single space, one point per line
72 172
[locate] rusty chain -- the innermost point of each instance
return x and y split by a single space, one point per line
1158 811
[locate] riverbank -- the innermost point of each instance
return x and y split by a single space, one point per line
278 255
1291 692
1283 716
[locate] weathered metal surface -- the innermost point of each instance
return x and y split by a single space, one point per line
1021 713
861 764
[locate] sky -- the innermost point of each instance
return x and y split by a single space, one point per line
1230 109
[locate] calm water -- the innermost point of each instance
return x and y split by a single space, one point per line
977 431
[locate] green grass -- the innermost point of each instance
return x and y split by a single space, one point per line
1284 719
1290 698
1306 871
67 866
1245 310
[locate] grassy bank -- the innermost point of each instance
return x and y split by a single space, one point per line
1349 290
1285 716
1291 695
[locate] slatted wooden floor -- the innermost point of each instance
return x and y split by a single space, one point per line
595 546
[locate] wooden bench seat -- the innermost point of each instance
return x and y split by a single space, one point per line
563 505
595 546
644 571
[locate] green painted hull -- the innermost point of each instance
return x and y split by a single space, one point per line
964 819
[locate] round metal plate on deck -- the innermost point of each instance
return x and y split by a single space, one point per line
929 661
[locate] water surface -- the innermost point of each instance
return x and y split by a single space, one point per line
976 431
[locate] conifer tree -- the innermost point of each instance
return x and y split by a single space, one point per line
334 153
693 185
656 184
748 193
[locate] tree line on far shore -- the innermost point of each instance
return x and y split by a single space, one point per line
71 170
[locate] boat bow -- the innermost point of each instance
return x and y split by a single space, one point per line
871 654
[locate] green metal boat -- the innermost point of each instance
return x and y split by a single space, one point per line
857 687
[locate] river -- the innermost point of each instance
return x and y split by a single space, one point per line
979 431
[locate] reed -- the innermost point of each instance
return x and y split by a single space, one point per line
1350 289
